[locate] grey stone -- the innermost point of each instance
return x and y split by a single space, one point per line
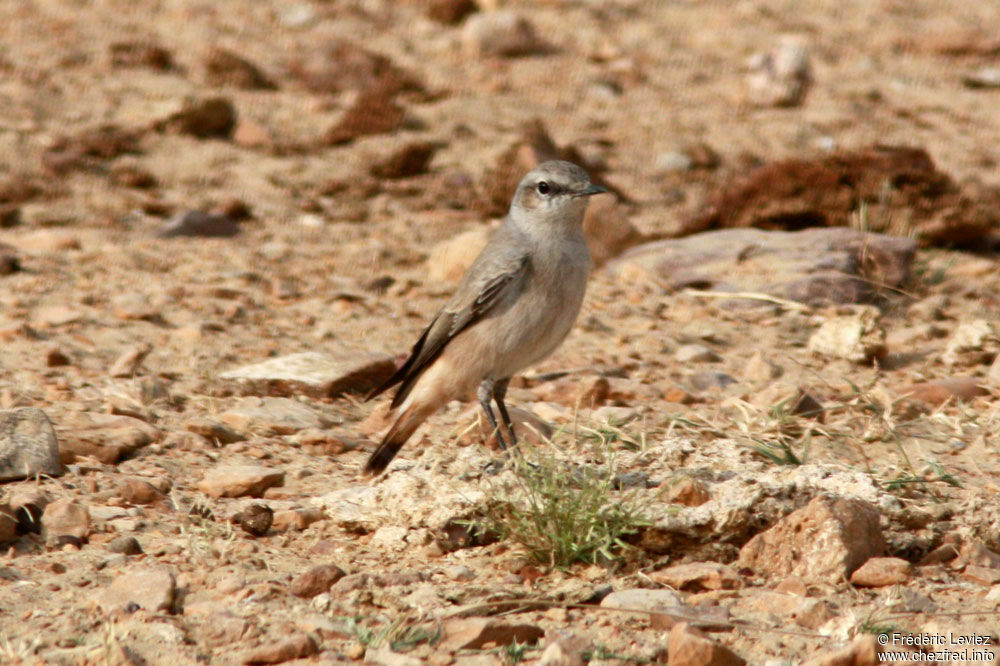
28 444
200 224
816 266
272 416
711 379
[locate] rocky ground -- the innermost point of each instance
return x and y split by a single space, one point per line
221 223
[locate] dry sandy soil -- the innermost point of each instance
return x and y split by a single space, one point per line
331 256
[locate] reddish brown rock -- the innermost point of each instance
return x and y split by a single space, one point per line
251 134
214 117
89 148
882 571
132 175
225 68
449 12
410 159
698 577
797 193
142 53
139 491
825 540
8 523
213 430
373 112
10 261
938 391
687 491
689 646
106 437
343 65
295 519
297 646
240 480
474 633
315 581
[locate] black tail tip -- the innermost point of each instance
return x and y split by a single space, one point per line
375 466
381 458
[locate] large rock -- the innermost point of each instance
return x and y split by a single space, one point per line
882 571
65 518
240 480
697 577
827 191
296 646
107 437
28 445
689 646
856 337
475 632
825 541
780 77
313 374
814 266
500 33
149 588
271 416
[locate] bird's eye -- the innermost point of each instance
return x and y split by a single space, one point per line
543 187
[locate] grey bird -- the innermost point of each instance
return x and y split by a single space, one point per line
513 307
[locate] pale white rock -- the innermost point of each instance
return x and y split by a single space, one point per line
313 374
695 353
780 77
972 343
856 337
500 33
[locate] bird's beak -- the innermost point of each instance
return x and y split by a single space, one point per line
590 190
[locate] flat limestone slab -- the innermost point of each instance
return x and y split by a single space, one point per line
313 374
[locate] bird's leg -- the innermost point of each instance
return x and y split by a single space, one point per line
499 393
485 394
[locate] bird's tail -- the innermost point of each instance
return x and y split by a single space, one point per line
393 441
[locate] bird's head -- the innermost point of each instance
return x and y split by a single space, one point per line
554 192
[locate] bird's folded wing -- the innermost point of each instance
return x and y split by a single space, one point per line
488 283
